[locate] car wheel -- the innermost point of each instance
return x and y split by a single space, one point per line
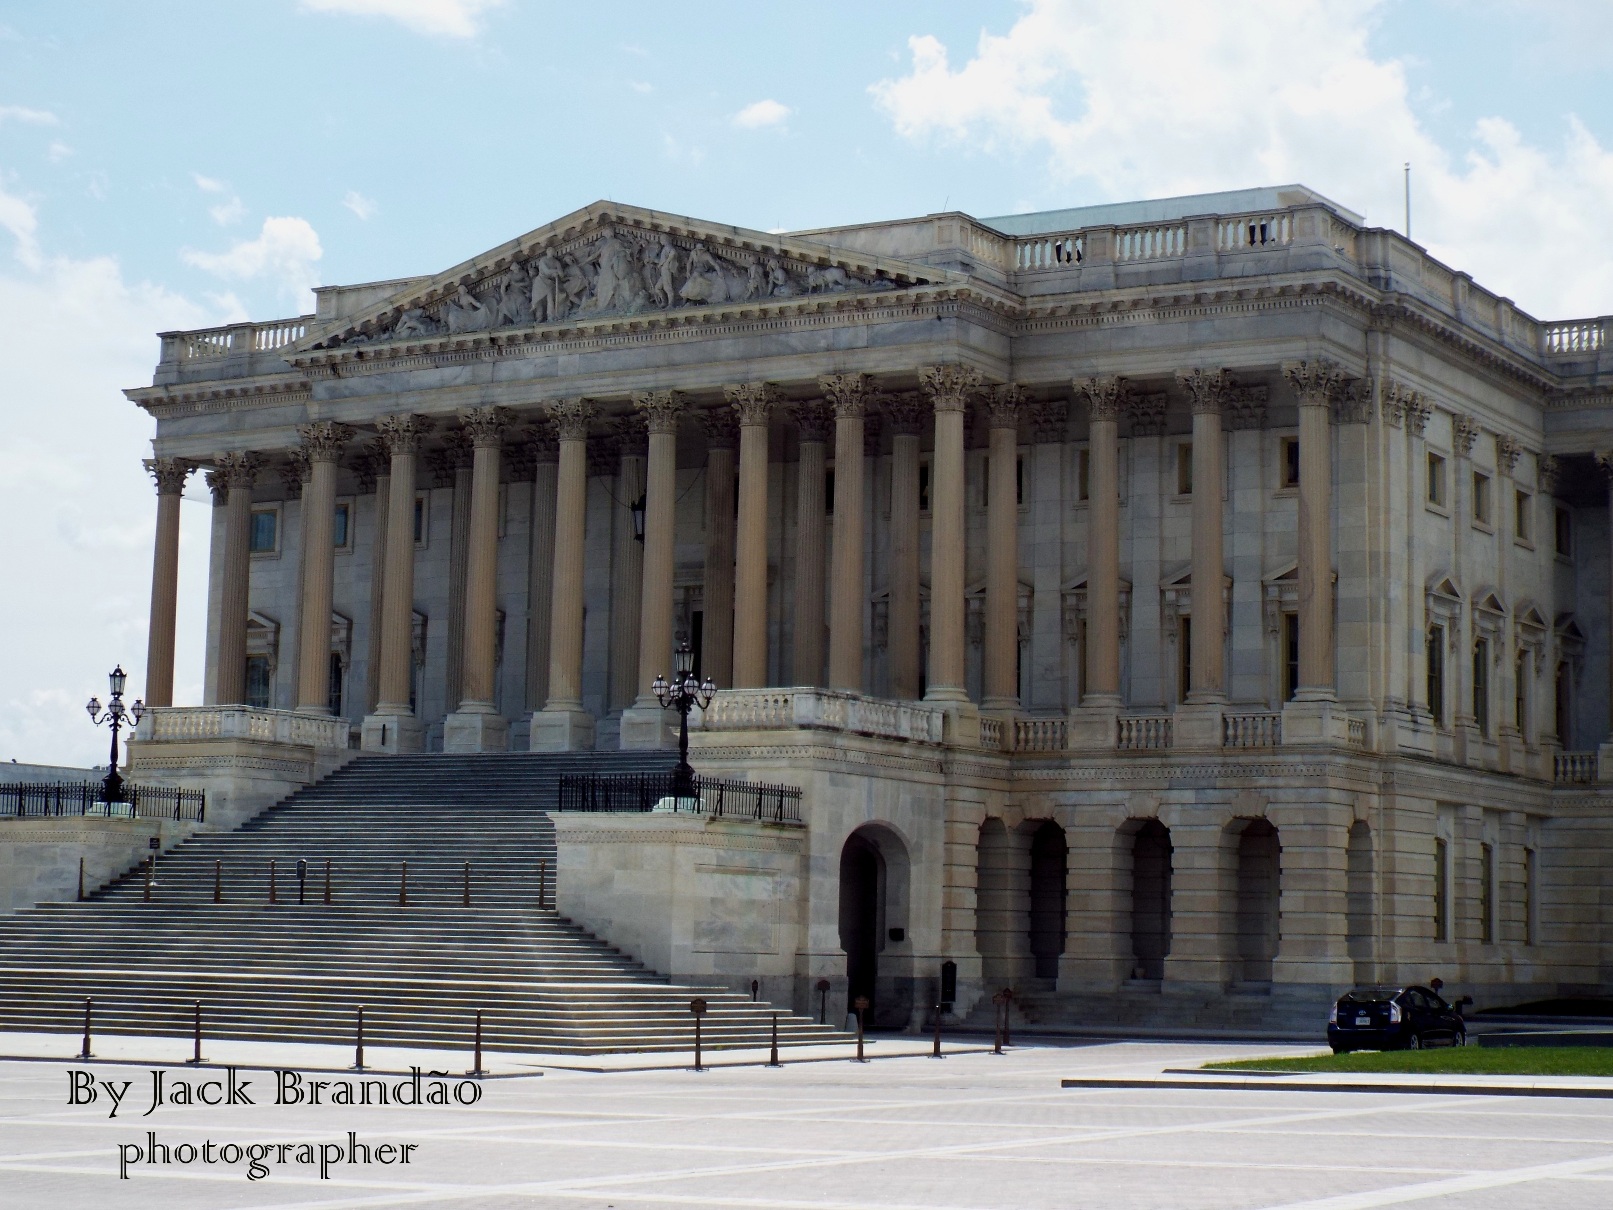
1459 1038
1413 1042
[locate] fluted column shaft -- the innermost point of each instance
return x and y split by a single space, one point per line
846 588
458 565
1208 666
322 442
170 475
570 521
717 659
661 409
1315 383
627 574
812 422
540 572
752 402
235 473
402 436
902 622
949 388
378 557
486 427
1103 544
1001 672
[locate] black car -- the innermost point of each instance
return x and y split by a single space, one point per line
1388 1018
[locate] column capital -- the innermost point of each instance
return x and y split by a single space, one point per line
873 434
631 431
1317 382
1507 452
848 393
296 470
235 470
1207 389
814 420
751 401
1147 413
660 409
906 411
720 427
486 426
1464 432
543 439
1048 418
1604 463
402 432
949 386
1547 468
1003 402
1106 395
169 473
570 417
323 440
369 464
1419 408
455 453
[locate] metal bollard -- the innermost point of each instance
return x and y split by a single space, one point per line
755 989
997 1023
697 1006
936 1052
150 867
327 880
196 1034
476 1069
772 1059
467 884
271 880
861 1005
81 880
85 1053
302 881
543 875
823 1001
358 1053
403 887
1008 1027
218 881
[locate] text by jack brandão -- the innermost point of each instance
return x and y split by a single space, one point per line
168 1088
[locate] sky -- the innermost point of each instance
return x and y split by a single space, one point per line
169 164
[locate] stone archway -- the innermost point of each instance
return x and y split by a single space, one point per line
1049 894
1359 931
873 920
1258 895
1150 898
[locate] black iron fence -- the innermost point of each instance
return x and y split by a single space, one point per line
654 792
24 799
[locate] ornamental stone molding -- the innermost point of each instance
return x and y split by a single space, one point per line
1353 404
570 417
630 433
1507 452
720 427
295 471
323 440
751 401
1418 410
660 409
949 386
1147 414
1547 471
486 426
905 411
1316 382
814 420
1048 418
542 438
1106 395
1003 403
403 432
1397 399
847 393
235 470
454 454
368 465
1604 463
1206 389
169 474
1246 407
1464 432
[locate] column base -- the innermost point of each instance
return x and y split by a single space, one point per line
561 731
476 731
648 727
1315 722
393 733
1094 725
1198 725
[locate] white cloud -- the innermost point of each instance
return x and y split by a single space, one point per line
641 86
1153 98
58 151
360 205
228 212
76 498
448 18
762 113
209 184
286 250
33 117
18 218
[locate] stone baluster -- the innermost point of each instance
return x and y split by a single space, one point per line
540 566
812 421
906 412
849 394
1001 656
393 727
949 388
722 435
563 725
322 444
477 725
170 475
234 475
752 401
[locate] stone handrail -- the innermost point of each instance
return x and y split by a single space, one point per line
1157 242
1574 768
1356 731
1041 734
187 724
991 734
1575 336
1253 231
234 339
1143 732
1259 729
781 709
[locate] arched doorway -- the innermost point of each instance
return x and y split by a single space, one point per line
997 925
1259 875
1359 929
1150 899
873 923
1049 891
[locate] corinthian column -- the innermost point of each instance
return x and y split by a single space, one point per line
170 474
812 423
1105 398
752 401
374 468
906 412
540 569
717 656
234 475
661 411
1002 552
477 726
849 393
393 726
949 388
627 557
1207 390
563 725
322 445
1316 383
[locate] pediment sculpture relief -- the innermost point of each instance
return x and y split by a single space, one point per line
615 272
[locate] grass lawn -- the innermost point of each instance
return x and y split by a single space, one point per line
1460 1060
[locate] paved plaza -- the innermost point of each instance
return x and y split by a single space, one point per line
974 1130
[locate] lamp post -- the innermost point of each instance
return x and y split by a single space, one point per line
681 695
116 717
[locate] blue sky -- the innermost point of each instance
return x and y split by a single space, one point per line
182 164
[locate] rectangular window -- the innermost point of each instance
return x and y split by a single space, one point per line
1436 480
1564 538
829 492
924 487
1184 468
257 682
1083 474
1019 482
1481 499
1523 511
1290 656
1436 674
333 693
1185 645
1290 461
421 516
341 531
265 531
1529 894
1481 685
1487 894
1520 696
1442 889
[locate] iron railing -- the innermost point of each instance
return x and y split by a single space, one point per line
654 792
20 800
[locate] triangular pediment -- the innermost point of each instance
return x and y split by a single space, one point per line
609 262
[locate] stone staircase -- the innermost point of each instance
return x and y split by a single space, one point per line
297 971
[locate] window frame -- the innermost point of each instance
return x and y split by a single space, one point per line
271 551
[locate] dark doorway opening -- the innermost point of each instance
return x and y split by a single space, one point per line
1049 892
1150 899
862 913
1259 872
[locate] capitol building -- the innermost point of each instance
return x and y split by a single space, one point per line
1178 611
